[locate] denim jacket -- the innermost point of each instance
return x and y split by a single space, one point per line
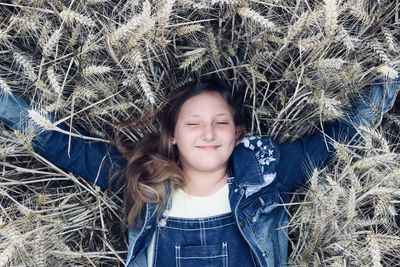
258 181
261 175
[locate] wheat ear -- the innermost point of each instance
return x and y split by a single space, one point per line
71 16
258 18
5 88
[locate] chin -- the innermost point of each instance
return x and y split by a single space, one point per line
210 167
206 163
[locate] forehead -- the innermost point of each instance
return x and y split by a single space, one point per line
207 103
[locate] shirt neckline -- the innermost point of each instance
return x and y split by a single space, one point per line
180 191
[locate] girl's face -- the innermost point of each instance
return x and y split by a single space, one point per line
205 133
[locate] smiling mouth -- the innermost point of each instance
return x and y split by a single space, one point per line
207 147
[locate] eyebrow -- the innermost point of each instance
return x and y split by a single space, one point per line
220 114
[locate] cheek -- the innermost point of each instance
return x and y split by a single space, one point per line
178 132
183 137
232 140
229 134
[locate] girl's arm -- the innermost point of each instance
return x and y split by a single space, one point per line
298 158
93 161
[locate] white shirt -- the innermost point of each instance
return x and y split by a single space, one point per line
188 206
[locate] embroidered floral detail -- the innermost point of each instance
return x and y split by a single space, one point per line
264 154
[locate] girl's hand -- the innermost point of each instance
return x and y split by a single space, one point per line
374 103
13 110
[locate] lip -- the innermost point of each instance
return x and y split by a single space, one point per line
207 147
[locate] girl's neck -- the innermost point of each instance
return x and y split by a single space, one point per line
201 184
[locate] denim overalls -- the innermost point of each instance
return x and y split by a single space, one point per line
200 242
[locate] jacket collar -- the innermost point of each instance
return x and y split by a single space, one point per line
253 163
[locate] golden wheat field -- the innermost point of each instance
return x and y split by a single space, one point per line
297 64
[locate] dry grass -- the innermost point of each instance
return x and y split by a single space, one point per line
296 64
350 210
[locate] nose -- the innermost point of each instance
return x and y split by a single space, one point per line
208 133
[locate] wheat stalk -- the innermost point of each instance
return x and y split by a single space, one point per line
51 43
7 150
41 120
375 252
95 2
164 13
330 63
4 36
192 57
214 49
132 24
44 33
71 16
346 39
106 110
90 45
387 242
25 63
352 205
380 51
342 152
94 70
331 14
12 238
84 93
306 19
126 29
384 207
144 84
5 88
258 18
39 244
370 134
310 42
188 29
135 59
53 79
199 64
27 22
59 104
359 12
390 40
147 24
329 107
373 161
388 72
227 2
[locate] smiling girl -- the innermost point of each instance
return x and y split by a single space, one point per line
205 135
197 192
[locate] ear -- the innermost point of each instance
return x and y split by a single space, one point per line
239 130
173 141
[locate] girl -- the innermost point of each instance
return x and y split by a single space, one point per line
197 193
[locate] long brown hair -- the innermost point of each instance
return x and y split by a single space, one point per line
152 169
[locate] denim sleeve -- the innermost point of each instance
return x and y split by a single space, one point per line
300 157
94 161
